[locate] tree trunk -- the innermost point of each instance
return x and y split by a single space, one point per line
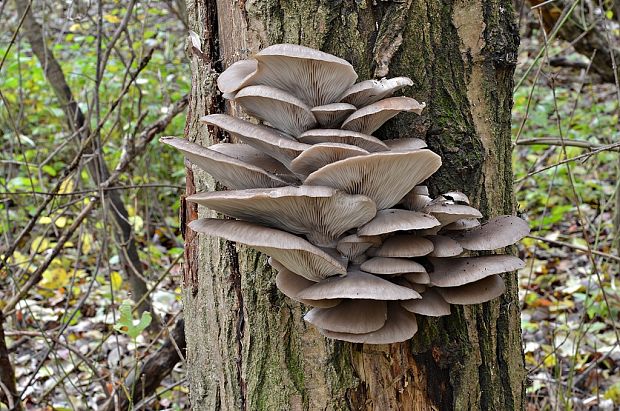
248 346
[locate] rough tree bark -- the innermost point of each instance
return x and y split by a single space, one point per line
248 347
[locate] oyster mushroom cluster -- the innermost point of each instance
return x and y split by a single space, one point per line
342 215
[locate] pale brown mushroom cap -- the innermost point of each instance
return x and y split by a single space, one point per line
321 135
369 118
444 246
448 213
268 140
332 115
294 253
498 232
350 316
229 171
280 109
405 144
370 91
416 199
322 154
421 278
474 293
454 272
391 266
431 304
400 326
462 224
323 214
404 245
392 219
354 246
358 285
290 284
237 76
387 176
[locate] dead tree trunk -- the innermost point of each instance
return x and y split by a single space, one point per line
248 347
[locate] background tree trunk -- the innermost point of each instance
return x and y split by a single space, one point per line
248 347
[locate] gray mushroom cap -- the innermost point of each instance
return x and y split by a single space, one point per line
231 172
369 118
350 316
387 176
268 140
474 293
278 108
290 284
391 220
322 154
498 232
421 278
354 246
358 285
405 144
457 197
332 115
237 76
404 245
294 253
323 214
444 246
322 135
448 213
391 266
462 224
431 304
400 326
370 91
454 272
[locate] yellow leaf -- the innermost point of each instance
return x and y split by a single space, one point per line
40 244
75 27
111 18
45 220
61 222
54 278
137 223
87 241
66 186
116 280
550 361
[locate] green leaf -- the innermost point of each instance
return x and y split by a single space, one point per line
126 323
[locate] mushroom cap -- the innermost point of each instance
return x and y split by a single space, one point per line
369 118
387 176
404 245
290 284
462 224
294 253
319 155
332 115
353 245
421 278
415 201
448 213
237 76
280 109
400 326
392 219
405 144
321 213
350 316
454 272
496 233
316 77
266 139
444 246
431 304
370 91
390 266
457 197
474 293
229 171
357 285
322 135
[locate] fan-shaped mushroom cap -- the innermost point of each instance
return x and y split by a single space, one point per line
294 253
387 176
416 199
462 224
444 246
393 219
448 213
322 135
369 118
404 245
400 326
457 197
278 108
431 304
454 272
370 91
313 76
321 213
354 246
290 284
390 266
332 115
405 144
474 293
357 285
421 278
266 139
237 76
350 316
498 232
229 171
320 155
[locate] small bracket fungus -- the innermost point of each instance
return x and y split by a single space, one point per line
341 214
